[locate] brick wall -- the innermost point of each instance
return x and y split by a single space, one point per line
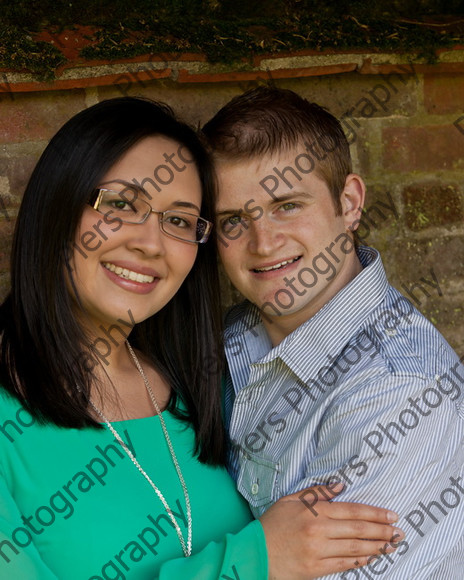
403 118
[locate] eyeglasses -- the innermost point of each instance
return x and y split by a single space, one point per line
177 224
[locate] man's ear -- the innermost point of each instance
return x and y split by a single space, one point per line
352 200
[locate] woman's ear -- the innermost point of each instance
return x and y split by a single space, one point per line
352 200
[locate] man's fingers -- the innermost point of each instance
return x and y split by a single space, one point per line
364 530
356 511
359 548
317 500
334 565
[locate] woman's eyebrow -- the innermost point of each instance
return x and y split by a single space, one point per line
138 189
127 186
186 204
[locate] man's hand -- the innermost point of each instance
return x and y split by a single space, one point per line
304 544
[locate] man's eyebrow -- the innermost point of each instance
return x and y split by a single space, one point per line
228 212
293 195
275 199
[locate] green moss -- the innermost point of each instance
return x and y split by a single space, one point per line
225 31
19 51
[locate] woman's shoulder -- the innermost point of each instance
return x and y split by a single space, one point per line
9 404
14 417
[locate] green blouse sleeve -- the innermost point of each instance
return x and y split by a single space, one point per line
240 556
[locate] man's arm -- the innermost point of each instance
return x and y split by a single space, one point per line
397 442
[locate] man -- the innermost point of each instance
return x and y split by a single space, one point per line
333 375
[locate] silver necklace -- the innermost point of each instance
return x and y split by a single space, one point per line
186 546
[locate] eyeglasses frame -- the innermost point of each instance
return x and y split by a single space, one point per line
208 227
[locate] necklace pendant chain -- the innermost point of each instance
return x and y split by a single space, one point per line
186 546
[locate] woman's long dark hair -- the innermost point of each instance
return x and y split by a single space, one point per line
44 353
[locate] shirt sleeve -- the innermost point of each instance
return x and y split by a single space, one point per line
239 556
397 443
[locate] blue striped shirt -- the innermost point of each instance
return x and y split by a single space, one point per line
367 392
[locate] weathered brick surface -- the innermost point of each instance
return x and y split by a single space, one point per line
18 169
407 131
431 205
444 94
360 97
37 116
426 148
409 260
186 76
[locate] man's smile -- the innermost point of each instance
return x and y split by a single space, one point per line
277 266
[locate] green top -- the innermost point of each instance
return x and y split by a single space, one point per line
74 506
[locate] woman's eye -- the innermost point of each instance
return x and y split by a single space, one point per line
120 205
117 202
178 222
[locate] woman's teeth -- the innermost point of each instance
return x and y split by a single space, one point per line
128 274
277 266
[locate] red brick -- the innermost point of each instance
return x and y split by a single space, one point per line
422 148
444 93
136 76
432 204
438 68
28 118
288 73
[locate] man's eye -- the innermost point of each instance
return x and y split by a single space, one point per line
233 220
289 206
228 224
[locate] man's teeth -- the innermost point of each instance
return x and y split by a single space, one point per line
129 274
277 266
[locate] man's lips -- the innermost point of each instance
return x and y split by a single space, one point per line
276 265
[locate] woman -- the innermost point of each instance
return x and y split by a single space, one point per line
112 449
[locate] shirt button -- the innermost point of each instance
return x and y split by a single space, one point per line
254 488
390 332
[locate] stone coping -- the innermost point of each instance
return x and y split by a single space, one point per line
193 68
